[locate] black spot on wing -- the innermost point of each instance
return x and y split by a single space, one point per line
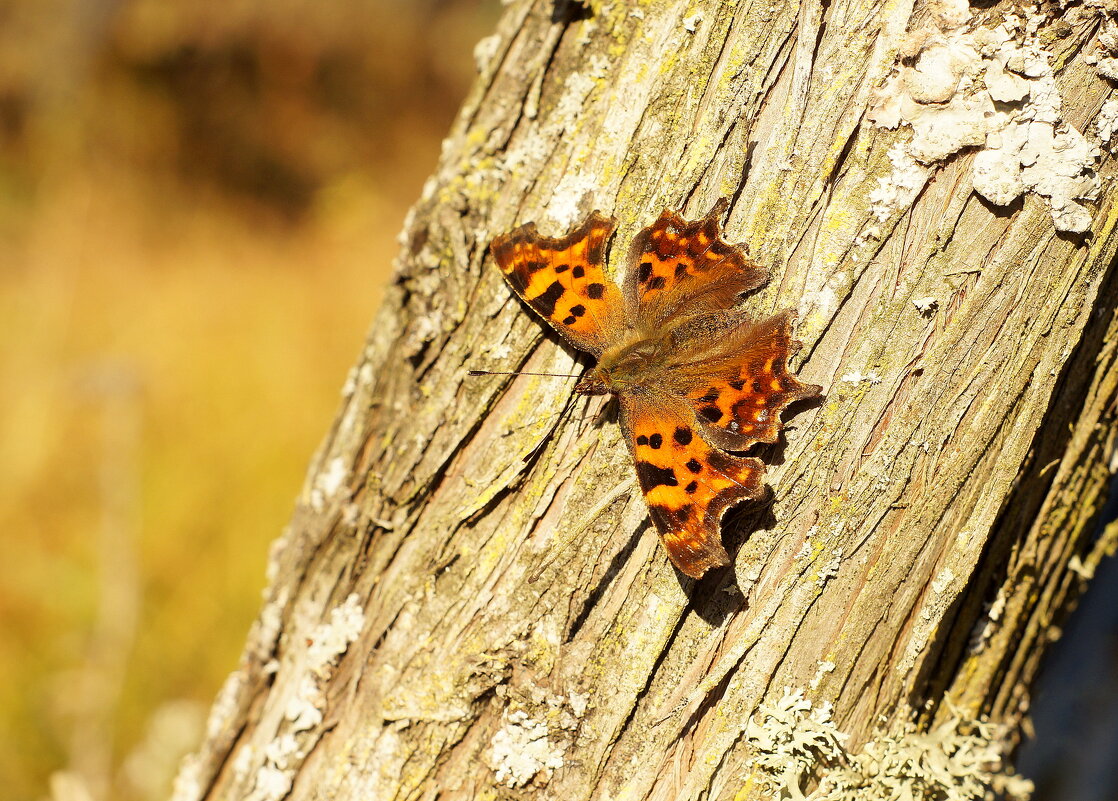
578 271
694 466
645 271
657 282
595 291
683 435
711 413
545 302
651 476
562 268
655 441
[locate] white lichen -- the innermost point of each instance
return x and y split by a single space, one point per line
899 188
567 201
243 761
577 87
991 89
485 50
791 739
187 785
328 482
1085 570
822 669
858 377
266 629
795 740
304 708
271 784
994 612
521 749
1105 61
330 639
578 703
829 570
304 712
224 708
932 610
943 580
1107 125
926 305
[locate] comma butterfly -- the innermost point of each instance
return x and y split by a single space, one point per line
695 376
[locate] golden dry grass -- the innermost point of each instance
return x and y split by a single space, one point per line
180 315
164 384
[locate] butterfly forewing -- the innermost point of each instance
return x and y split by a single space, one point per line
684 268
564 280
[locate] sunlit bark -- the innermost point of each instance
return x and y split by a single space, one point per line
470 602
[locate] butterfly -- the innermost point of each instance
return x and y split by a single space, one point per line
697 379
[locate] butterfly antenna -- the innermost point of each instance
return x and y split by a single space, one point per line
519 372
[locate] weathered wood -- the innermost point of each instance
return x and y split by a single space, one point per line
469 601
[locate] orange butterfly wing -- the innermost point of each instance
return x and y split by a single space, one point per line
563 279
723 388
687 483
678 268
743 387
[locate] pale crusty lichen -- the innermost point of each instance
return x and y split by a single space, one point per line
327 483
267 772
993 89
795 741
1105 55
1107 124
521 749
530 745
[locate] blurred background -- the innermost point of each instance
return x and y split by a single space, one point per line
198 208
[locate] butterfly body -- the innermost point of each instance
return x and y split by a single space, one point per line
631 366
696 378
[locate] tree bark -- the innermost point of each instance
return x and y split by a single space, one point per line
470 601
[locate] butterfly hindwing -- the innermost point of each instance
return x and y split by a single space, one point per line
742 387
687 483
564 280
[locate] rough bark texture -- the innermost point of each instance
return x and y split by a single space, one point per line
469 601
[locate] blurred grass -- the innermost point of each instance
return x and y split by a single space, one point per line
198 207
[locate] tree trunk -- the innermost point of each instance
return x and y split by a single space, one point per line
470 601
